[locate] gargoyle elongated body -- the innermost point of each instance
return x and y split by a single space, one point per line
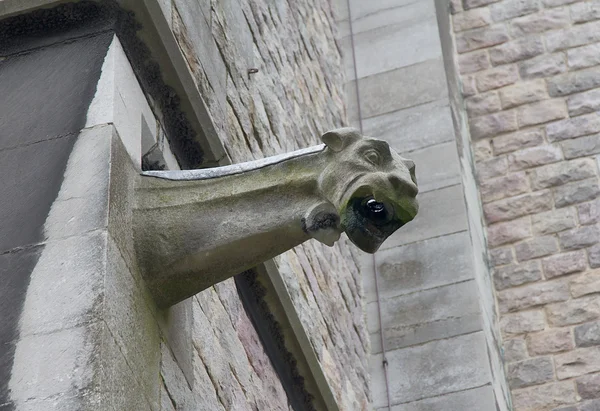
195 228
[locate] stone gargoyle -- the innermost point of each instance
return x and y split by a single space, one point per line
195 228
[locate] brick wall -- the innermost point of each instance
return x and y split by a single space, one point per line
530 77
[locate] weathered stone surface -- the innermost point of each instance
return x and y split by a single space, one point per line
583 103
543 66
496 77
491 168
562 173
573 36
522 93
471 19
492 124
540 22
578 362
483 104
588 386
481 398
515 349
509 231
582 57
516 50
480 38
565 263
509 9
573 127
536 247
587 335
553 221
501 256
532 295
574 82
545 396
587 283
514 141
541 112
585 11
530 372
506 186
518 206
550 342
534 156
468 86
469 4
573 311
577 192
589 213
579 237
482 150
473 62
440 166
582 146
516 274
594 255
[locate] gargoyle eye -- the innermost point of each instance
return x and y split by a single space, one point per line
373 157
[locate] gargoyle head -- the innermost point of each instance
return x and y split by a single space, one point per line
372 187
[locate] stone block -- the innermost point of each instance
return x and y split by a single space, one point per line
501 256
468 87
482 104
473 62
561 173
580 237
534 156
545 396
553 221
482 150
573 311
565 263
522 322
583 57
494 167
594 256
578 362
550 342
481 38
515 349
427 264
522 93
532 295
589 213
555 3
536 247
583 146
496 77
577 192
583 103
587 283
519 140
508 232
506 186
574 82
543 66
541 112
442 212
516 50
529 372
461 363
493 124
517 274
545 20
585 11
573 36
175 382
481 398
471 4
588 386
422 126
518 206
573 127
437 166
509 9
587 335
471 19
433 314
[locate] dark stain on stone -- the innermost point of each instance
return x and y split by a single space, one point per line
46 89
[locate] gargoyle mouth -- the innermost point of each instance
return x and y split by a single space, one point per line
369 222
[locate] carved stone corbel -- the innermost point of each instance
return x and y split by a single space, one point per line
195 228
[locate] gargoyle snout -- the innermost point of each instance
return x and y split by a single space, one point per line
404 186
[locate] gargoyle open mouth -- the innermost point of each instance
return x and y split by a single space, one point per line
369 222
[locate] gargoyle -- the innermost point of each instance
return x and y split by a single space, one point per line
194 228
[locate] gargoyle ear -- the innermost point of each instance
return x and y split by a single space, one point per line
340 138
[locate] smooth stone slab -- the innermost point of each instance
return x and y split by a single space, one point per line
481 399
437 166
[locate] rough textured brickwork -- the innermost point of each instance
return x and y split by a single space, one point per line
530 78
294 97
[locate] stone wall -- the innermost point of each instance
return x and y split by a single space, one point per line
294 97
529 74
